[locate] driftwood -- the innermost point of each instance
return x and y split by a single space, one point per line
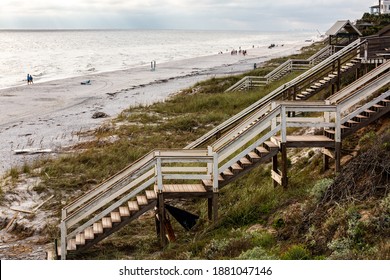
33 210
32 151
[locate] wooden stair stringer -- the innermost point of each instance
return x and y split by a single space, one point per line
249 168
367 121
329 80
116 227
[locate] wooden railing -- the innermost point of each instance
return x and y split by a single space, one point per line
128 183
258 123
249 82
353 49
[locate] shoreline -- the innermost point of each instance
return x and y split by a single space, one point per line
49 115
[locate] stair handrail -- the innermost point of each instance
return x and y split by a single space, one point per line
272 95
106 184
365 92
147 176
289 65
118 188
366 106
372 75
247 137
286 65
100 200
327 49
236 130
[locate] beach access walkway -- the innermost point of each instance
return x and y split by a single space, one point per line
256 135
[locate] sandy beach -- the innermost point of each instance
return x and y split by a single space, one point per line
50 115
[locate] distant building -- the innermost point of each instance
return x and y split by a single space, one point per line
383 7
342 33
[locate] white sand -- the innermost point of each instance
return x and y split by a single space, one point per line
48 115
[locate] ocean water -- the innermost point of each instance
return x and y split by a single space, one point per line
55 54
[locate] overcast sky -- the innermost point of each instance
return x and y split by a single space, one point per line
263 15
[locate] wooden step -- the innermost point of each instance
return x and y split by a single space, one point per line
88 233
377 106
80 240
368 111
151 195
330 131
310 90
361 117
253 156
227 172
245 162
332 75
124 211
106 222
328 79
133 206
270 145
97 228
304 93
352 122
71 246
262 151
142 200
115 217
236 168
207 183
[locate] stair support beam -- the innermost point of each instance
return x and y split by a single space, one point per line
275 167
161 217
283 149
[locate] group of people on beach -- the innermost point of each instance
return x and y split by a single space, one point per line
29 79
235 52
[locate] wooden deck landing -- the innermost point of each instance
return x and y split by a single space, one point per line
184 191
306 141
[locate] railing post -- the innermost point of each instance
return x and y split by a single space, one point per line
283 123
274 120
159 175
338 139
209 165
63 240
215 189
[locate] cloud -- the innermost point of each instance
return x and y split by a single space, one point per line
180 14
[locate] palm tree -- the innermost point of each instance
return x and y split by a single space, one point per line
379 10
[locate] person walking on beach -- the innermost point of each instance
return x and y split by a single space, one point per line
29 79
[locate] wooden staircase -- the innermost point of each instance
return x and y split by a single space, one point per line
259 155
111 223
290 65
327 80
258 135
362 117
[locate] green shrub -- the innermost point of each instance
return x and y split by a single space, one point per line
257 253
297 252
320 187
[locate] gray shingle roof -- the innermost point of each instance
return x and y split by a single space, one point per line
343 26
